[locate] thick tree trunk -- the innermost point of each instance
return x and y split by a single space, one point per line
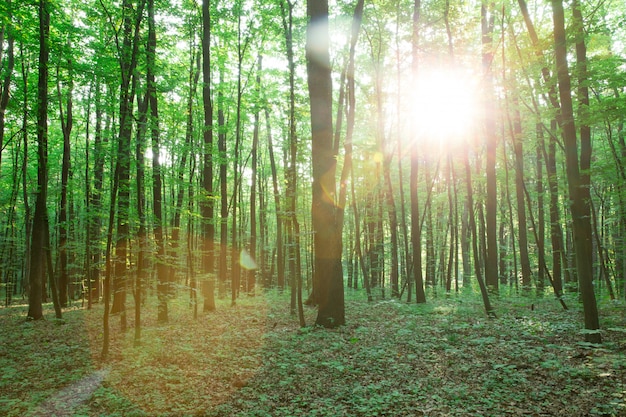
577 176
38 253
328 273
128 63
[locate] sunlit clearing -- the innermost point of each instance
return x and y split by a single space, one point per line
444 107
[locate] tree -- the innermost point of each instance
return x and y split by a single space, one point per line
40 225
326 216
163 288
7 74
491 267
207 203
416 227
577 176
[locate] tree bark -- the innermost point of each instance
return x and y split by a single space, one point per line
491 264
5 84
577 176
207 202
416 227
163 284
38 255
326 215
67 122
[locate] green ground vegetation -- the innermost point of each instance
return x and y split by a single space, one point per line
391 359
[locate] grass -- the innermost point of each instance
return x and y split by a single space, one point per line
391 359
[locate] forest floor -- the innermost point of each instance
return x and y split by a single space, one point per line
443 358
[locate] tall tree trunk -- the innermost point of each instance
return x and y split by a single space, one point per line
473 230
5 82
556 232
252 266
541 229
223 179
292 225
67 122
416 227
491 264
128 62
163 284
207 202
519 194
280 262
141 273
577 171
194 76
38 260
326 216
24 166
95 201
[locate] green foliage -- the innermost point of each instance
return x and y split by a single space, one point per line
392 358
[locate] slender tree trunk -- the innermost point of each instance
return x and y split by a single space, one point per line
141 273
223 179
207 203
519 194
541 257
163 284
67 122
251 268
5 83
472 227
491 264
416 228
194 76
280 262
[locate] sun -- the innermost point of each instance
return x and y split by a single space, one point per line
444 106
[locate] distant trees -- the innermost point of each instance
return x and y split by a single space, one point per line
155 122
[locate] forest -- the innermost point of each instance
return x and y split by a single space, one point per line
293 181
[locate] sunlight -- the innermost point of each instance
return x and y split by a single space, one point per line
444 106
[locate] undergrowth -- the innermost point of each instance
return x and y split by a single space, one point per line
444 358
